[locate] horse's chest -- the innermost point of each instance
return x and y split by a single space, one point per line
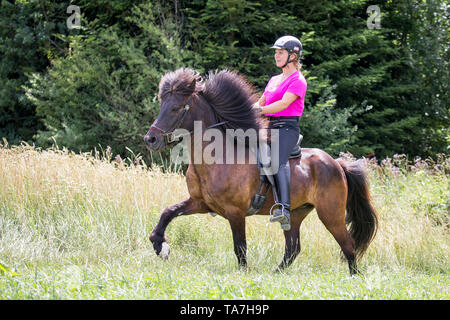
211 193
222 189
203 187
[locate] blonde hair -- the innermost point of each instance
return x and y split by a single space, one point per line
298 64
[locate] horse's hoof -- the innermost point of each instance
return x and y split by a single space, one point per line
165 251
279 269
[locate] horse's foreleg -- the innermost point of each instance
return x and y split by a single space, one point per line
291 247
237 224
292 238
157 237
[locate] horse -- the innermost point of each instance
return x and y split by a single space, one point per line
336 188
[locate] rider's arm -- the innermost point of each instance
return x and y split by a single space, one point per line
279 105
262 101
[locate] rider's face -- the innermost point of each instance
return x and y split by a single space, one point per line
280 56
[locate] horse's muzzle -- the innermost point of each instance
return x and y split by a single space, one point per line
154 141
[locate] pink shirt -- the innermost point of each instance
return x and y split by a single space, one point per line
296 84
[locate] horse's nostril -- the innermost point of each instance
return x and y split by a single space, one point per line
149 139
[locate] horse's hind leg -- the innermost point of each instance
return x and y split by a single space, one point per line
333 217
292 237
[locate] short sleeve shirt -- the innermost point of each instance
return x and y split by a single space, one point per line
296 84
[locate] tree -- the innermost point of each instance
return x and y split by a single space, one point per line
429 64
238 35
381 91
27 41
105 91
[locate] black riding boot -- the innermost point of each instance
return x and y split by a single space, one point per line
282 212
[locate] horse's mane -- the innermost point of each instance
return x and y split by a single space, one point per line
180 81
229 94
232 98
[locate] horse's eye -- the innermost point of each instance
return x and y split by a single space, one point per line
174 109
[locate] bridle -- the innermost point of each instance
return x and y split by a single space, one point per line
169 134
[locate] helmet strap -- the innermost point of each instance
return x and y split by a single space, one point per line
287 61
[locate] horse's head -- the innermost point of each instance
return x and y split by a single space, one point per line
226 97
176 91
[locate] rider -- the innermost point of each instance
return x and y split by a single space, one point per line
282 102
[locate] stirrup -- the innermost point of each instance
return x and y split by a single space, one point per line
274 218
284 219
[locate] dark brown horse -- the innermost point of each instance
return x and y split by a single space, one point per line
318 181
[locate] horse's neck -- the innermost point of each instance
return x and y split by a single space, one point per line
205 112
222 143
219 148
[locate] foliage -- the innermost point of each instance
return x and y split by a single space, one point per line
430 56
370 91
402 90
104 91
27 41
323 125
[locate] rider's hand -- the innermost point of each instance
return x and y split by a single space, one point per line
257 107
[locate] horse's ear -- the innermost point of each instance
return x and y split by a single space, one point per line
193 84
197 82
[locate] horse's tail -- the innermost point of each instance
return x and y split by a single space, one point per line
361 215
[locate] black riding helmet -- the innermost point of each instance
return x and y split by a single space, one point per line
291 44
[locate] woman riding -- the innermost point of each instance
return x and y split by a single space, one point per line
283 102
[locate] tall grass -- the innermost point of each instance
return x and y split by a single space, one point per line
77 226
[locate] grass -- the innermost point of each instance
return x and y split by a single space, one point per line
76 226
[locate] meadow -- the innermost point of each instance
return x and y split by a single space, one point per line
76 226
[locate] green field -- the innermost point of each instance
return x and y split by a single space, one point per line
74 226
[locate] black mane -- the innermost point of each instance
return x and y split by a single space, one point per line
184 81
229 94
232 99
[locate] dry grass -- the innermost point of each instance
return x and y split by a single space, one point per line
77 226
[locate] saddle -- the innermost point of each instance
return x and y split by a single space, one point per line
297 151
266 181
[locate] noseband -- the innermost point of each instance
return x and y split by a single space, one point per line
169 133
